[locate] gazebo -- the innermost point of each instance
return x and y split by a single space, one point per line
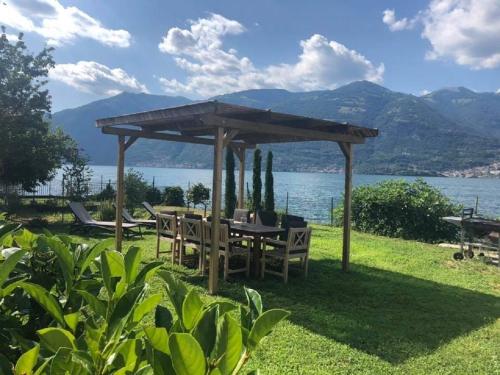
241 128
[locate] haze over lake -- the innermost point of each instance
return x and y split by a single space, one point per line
310 193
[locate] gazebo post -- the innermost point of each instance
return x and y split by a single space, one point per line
119 192
213 274
346 239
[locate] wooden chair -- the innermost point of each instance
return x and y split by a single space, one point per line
228 247
241 214
295 247
191 236
167 229
268 218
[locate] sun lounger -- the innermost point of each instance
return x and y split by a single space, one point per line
150 209
130 219
85 221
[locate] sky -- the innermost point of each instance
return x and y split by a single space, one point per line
203 48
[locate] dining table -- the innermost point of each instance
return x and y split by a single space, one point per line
258 232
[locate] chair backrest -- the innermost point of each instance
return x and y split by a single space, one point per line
189 215
223 234
149 208
191 230
268 218
126 215
298 240
467 213
166 225
291 223
80 212
241 213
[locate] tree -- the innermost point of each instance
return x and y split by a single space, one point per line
135 189
76 176
174 196
230 191
198 194
153 195
31 151
269 184
257 182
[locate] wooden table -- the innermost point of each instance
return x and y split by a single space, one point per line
257 232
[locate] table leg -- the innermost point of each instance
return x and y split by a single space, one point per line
257 255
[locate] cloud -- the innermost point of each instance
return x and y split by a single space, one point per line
57 23
95 78
389 18
211 69
498 91
424 92
464 31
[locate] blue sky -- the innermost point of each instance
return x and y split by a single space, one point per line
203 48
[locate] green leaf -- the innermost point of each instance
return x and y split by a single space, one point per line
27 361
147 271
146 370
187 355
224 306
132 263
64 258
176 290
72 320
25 239
65 362
263 325
89 256
46 300
55 338
205 331
191 309
245 317
95 304
229 345
254 301
9 264
122 310
158 338
112 266
130 352
163 317
146 306
215 371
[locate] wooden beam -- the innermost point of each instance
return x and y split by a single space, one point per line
343 148
213 275
120 192
346 238
164 136
130 142
285 131
228 136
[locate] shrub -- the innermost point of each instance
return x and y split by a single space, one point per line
398 208
106 211
135 189
107 194
174 196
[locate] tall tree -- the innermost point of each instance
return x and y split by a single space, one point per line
257 181
230 190
30 151
269 184
77 176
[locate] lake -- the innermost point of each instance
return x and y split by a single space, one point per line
310 194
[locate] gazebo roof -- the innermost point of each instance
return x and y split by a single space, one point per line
245 126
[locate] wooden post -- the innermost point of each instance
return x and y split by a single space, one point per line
120 192
213 275
346 240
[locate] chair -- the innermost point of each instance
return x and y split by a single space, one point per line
84 220
167 229
151 211
242 215
295 247
130 219
267 218
228 247
291 221
191 236
189 215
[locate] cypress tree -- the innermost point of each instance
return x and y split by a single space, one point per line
257 182
269 184
230 191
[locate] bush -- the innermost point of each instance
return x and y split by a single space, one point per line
106 211
107 194
153 195
135 189
174 196
398 208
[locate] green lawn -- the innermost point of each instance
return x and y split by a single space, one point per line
405 308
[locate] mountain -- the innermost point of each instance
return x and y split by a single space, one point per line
479 112
418 135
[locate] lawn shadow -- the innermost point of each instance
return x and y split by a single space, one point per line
383 313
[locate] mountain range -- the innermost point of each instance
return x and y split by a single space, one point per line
447 130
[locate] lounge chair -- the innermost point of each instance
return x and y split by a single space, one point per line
85 221
151 211
130 219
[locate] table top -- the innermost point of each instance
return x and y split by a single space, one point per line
249 228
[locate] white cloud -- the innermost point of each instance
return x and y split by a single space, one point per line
57 23
424 92
95 78
465 31
389 18
498 91
211 69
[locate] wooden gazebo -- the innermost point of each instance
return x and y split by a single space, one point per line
228 125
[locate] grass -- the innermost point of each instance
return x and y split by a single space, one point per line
405 308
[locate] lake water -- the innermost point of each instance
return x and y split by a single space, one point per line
310 194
